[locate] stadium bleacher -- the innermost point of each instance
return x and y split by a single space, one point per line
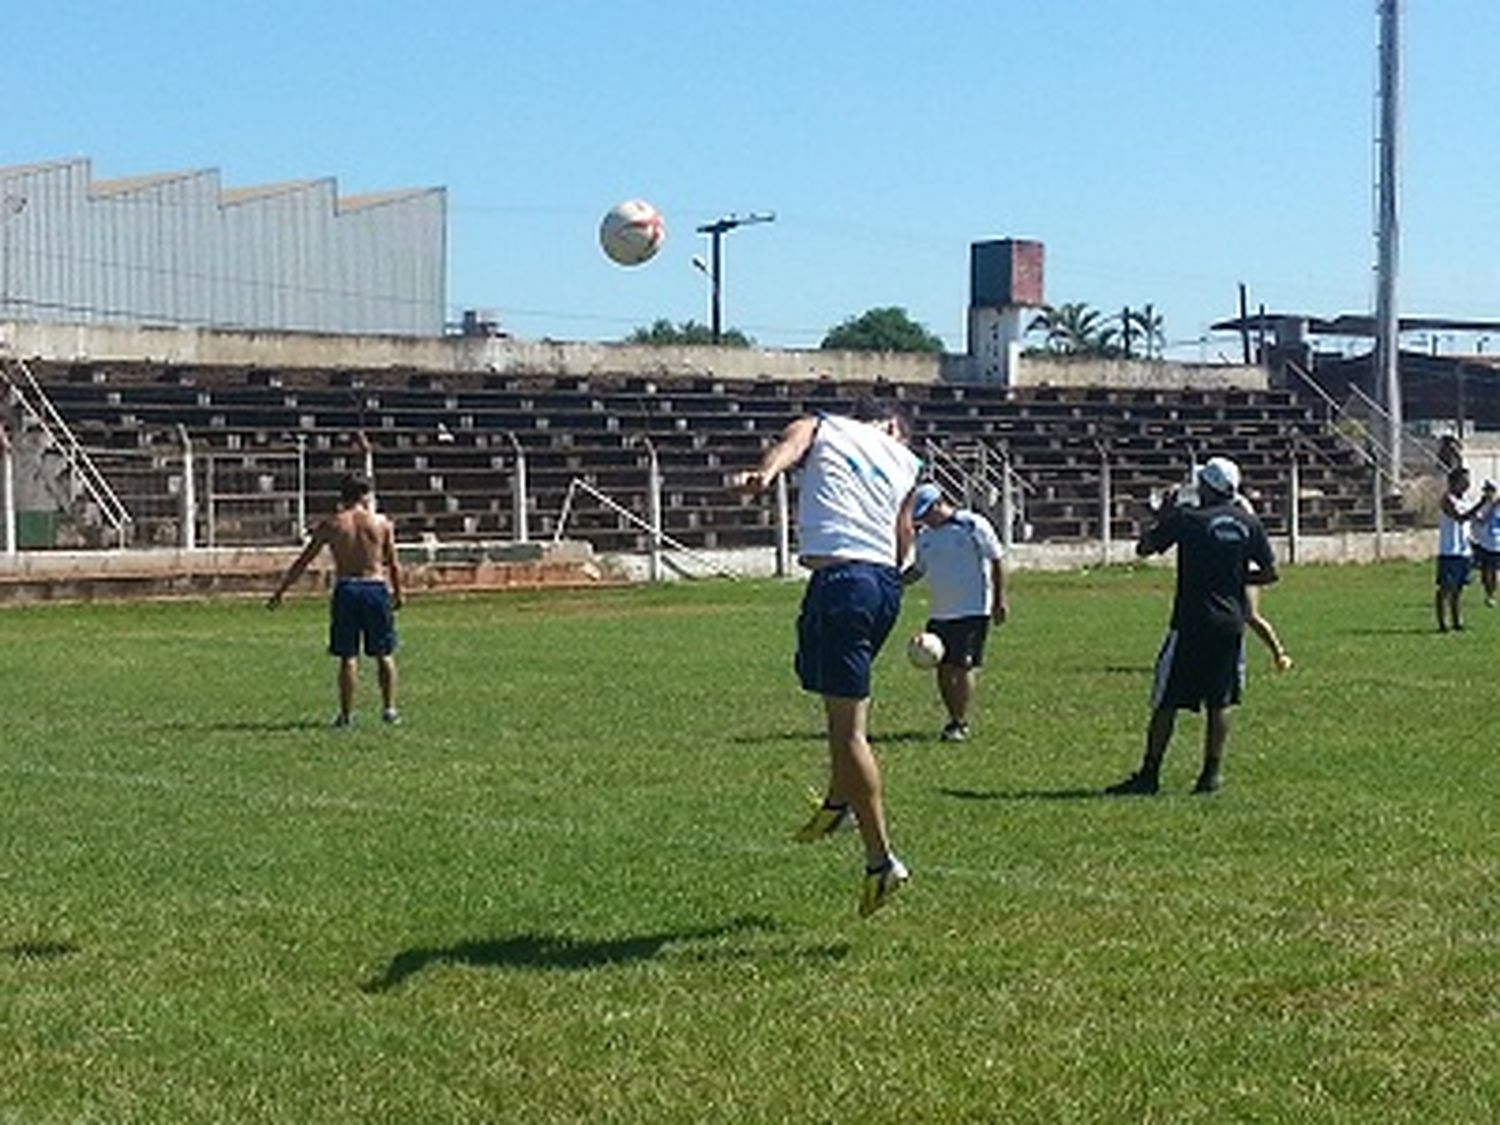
444 456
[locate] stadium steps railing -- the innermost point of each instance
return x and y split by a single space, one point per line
80 489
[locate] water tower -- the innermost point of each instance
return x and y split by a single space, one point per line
1005 290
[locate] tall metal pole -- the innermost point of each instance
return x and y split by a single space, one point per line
189 492
653 502
301 529
518 487
783 528
716 231
8 486
1387 233
1294 507
1106 504
716 285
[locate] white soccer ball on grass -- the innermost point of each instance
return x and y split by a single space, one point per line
925 650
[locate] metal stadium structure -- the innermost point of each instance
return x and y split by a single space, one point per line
180 249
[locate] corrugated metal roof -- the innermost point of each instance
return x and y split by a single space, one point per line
140 183
378 198
230 196
42 166
289 256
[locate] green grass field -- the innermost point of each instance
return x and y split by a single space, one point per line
564 889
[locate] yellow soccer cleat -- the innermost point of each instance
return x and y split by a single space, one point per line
881 884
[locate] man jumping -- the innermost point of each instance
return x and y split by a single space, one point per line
854 528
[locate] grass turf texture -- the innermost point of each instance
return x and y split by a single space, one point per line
564 889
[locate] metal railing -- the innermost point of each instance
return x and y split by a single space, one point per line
37 407
985 478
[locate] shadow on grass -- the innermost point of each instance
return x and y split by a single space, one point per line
39 950
778 736
1388 631
820 737
1075 794
878 738
551 951
1126 670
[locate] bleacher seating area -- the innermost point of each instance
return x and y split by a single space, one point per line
444 456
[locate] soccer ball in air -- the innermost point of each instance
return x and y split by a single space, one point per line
632 232
925 650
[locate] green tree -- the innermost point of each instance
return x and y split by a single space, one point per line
882 330
1147 325
664 334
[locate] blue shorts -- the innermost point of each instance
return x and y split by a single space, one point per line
847 613
1452 571
361 607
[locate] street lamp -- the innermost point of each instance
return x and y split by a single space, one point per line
714 268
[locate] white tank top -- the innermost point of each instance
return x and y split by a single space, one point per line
1453 535
854 480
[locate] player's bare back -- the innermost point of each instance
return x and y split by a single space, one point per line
357 538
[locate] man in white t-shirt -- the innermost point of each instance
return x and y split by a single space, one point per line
960 556
1484 537
854 527
1454 560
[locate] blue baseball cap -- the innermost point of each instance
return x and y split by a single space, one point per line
927 495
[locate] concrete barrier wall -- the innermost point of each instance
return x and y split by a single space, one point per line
70 343
36 576
73 342
1137 374
96 575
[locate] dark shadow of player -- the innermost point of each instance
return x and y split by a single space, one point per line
553 951
1075 794
38 950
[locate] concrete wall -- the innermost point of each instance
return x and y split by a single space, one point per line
543 357
1350 548
453 353
1033 371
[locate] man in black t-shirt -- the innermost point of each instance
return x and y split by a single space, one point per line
1221 548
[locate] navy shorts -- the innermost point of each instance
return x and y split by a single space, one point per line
1453 571
361 607
847 613
1484 558
963 639
1201 669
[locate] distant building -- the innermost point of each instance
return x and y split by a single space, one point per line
178 249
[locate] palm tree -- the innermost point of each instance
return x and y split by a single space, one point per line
1148 324
1074 329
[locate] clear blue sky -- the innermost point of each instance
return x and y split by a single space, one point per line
1163 150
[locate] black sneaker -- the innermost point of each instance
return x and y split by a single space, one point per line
1136 785
955 731
1208 783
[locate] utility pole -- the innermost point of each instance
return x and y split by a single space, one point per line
716 231
1244 324
1387 233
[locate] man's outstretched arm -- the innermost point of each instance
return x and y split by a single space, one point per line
785 454
300 564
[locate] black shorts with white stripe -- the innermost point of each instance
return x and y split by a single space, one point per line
1199 669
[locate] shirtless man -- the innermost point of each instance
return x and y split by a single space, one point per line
364 553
